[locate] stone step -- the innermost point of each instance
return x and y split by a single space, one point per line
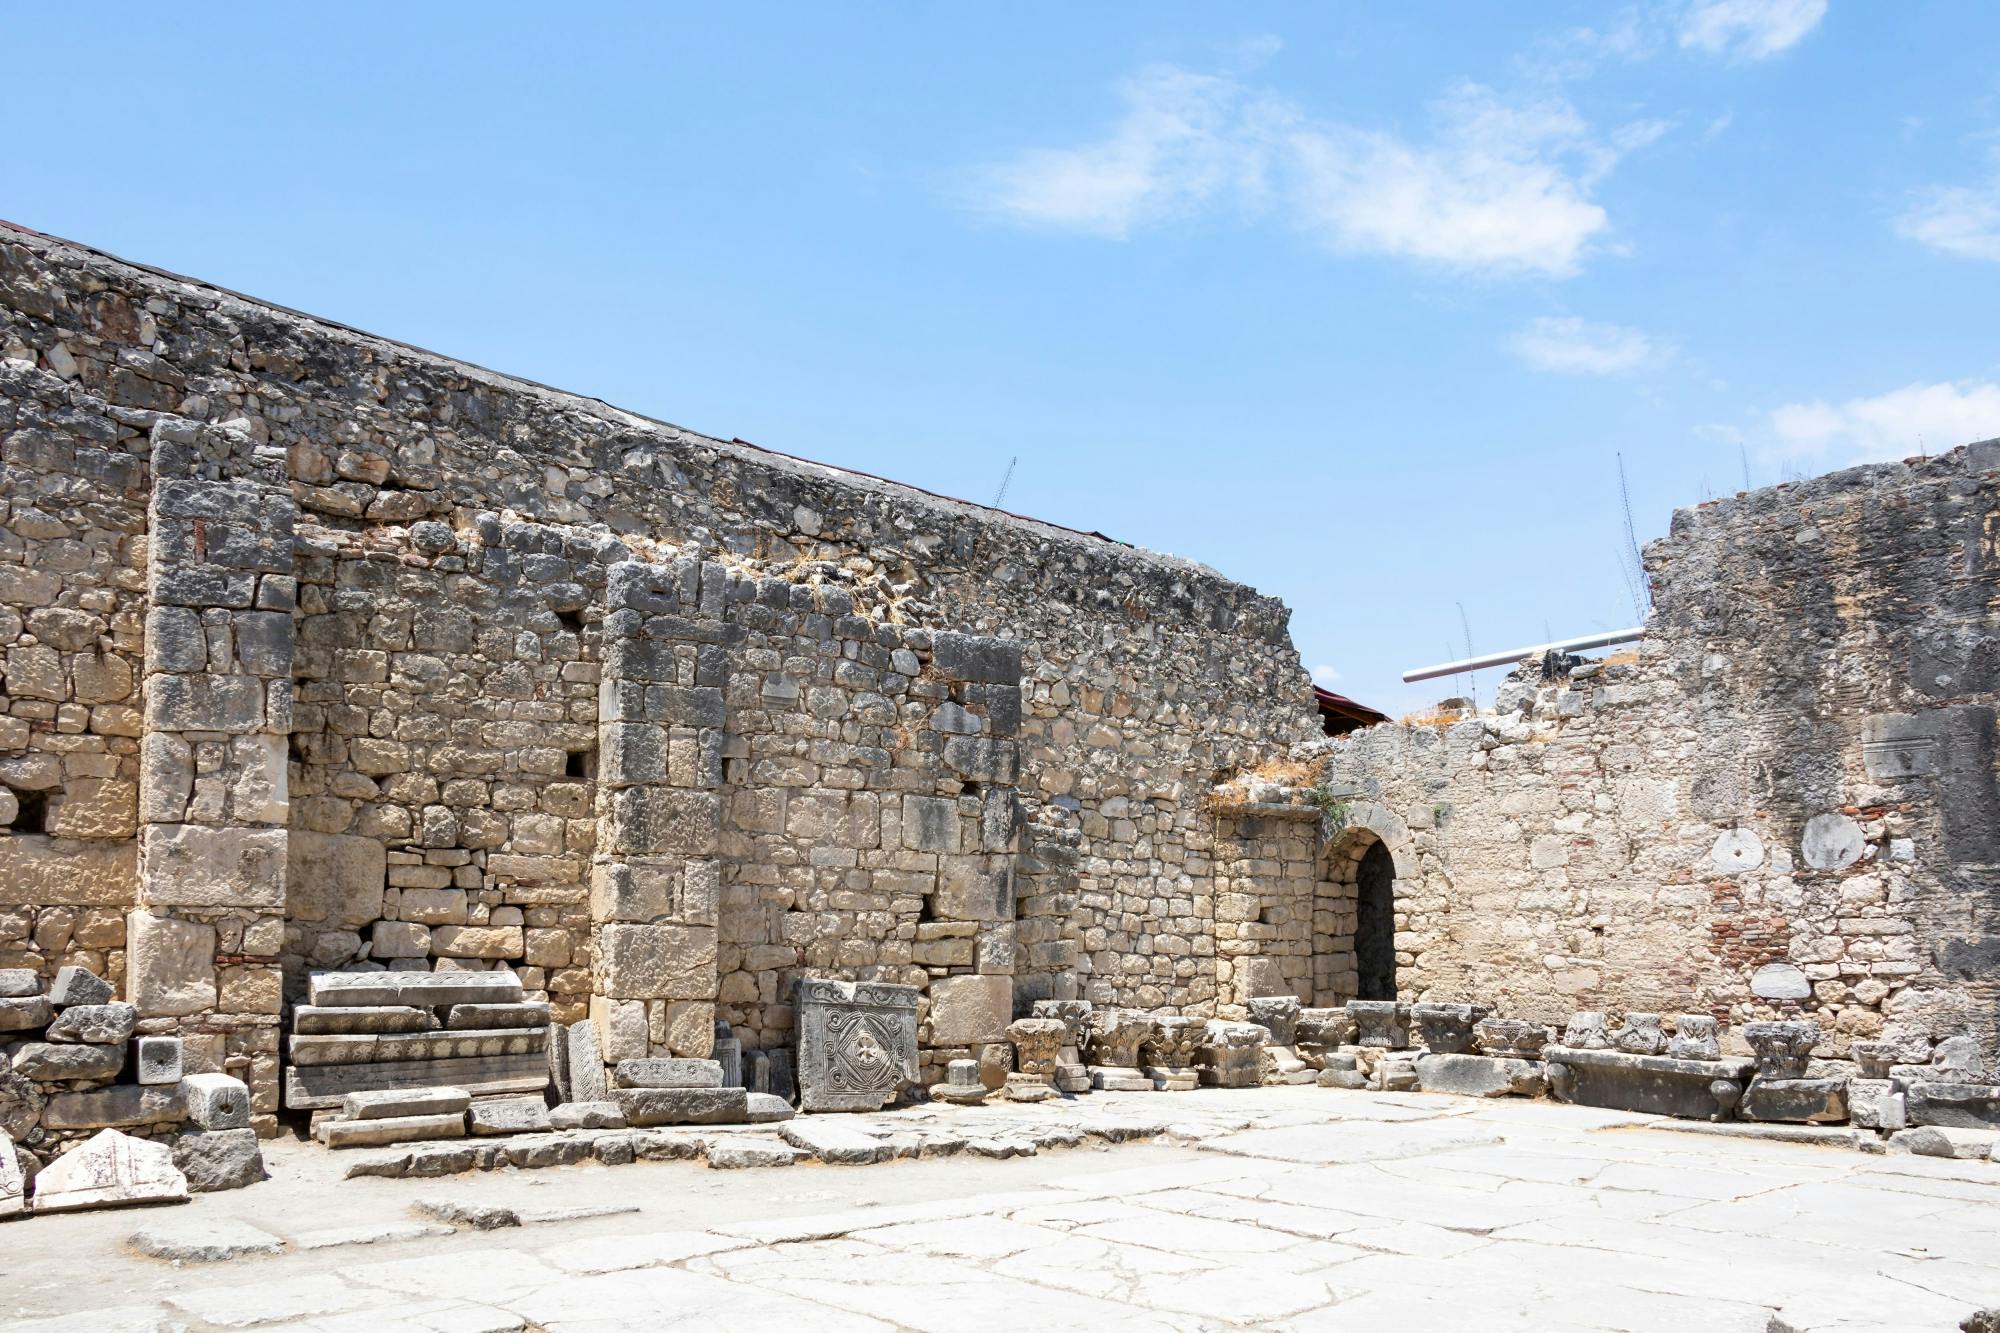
413 988
646 1107
395 1129
512 1115
368 1048
349 1018
669 1072
399 1103
125 1104
320 1087
527 1014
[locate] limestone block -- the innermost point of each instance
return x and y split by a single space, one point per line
232 704
157 1061
79 986
637 890
46 872
1954 1105
216 1101
390 1103
528 1014
334 878
194 865
169 965
657 962
395 1129
975 888
25 1014
621 1028
930 824
648 1107
98 1024
1795 1100
322 1087
969 1009
669 1073
765 1108
399 939
477 941
365 1048
413 988
313 1019
96 808
259 784
53 1062
587 1115
978 658
108 1170
124 1104
219 1159
684 1027
1479 1075
510 1115
663 821
19 983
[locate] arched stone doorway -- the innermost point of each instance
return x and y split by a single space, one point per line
1375 924
1355 905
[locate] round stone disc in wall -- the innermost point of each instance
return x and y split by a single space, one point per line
1737 850
1780 981
1831 842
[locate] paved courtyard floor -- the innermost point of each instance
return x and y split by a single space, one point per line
1277 1208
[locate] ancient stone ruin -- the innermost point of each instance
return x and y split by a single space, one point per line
398 751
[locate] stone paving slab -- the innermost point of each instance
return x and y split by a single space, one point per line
1351 1211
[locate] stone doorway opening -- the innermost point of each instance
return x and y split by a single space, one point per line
1375 923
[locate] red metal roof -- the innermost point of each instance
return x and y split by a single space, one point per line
1340 704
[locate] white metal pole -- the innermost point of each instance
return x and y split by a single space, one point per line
1513 655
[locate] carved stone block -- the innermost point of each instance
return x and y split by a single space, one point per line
1116 1036
1641 1035
1694 1038
1586 1032
1446 1029
857 1044
1783 1049
1510 1038
1383 1024
1278 1015
1037 1043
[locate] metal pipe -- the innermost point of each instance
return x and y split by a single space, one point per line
1513 655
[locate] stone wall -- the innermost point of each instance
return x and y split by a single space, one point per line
1785 798
445 670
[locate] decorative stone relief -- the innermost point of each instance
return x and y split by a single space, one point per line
857 1044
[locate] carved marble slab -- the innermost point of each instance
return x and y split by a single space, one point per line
857 1044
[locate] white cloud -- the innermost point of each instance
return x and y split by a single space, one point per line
1326 677
1748 29
1495 187
1956 220
1183 139
1565 345
1915 419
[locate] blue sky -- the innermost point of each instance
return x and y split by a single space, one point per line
1357 303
